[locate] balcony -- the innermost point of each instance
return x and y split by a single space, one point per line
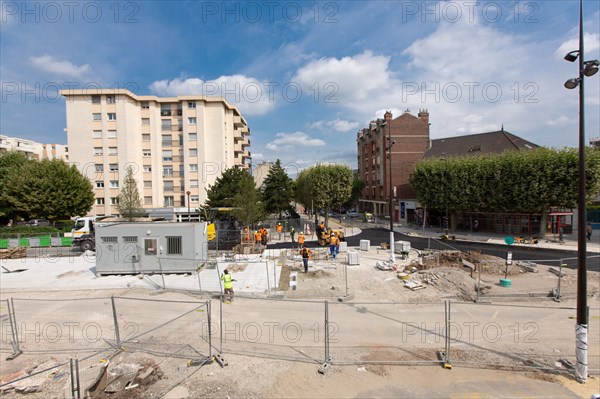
237 122
165 112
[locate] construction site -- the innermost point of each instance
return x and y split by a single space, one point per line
434 323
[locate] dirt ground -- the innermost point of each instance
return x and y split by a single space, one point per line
442 275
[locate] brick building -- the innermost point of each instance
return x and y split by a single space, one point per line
410 139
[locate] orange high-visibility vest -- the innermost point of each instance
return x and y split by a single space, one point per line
301 239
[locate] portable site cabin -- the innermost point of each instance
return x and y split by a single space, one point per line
157 247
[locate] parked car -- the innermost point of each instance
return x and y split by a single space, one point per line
38 222
352 213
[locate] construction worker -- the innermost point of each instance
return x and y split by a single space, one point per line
227 286
333 245
263 236
279 229
246 235
305 252
257 237
292 233
301 239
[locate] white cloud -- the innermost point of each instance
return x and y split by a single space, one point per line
560 121
59 67
337 124
348 79
293 141
591 43
251 96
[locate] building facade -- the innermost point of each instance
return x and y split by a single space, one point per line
410 139
176 146
34 149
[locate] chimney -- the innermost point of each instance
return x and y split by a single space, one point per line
424 115
387 116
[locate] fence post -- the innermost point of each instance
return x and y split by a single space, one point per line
268 283
221 323
559 279
72 378
326 332
115 321
209 310
13 326
77 385
447 349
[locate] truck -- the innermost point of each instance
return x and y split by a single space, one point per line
86 242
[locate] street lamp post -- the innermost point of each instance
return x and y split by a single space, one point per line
390 143
586 68
188 203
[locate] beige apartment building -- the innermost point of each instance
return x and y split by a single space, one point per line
34 149
177 146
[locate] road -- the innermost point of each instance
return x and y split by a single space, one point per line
377 235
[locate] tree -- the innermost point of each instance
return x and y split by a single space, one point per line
248 207
229 191
516 181
277 190
324 186
11 163
130 203
48 189
357 187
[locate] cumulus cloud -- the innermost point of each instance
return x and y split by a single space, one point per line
293 141
591 43
337 124
250 95
58 67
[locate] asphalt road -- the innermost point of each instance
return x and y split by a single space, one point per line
378 235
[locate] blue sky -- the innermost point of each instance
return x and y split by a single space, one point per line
307 75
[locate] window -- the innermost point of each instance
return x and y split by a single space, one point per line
114 200
145 137
112 150
100 201
95 99
193 152
193 167
113 167
147 168
166 140
165 110
147 183
99 167
174 245
97 150
150 245
110 239
168 187
193 198
192 104
146 153
169 201
112 116
191 120
112 134
110 99
167 156
167 171
99 184
193 183
114 184
145 121
97 117
147 200
145 105
192 136
97 134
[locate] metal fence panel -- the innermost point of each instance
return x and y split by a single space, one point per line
386 332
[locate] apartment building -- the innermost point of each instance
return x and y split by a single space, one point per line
410 139
177 146
34 149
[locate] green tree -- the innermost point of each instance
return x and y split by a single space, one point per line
130 203
49 189
324 186
11 163
516 181
248 207
277 190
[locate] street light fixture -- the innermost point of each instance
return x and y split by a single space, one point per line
586 68
389 146
188 202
